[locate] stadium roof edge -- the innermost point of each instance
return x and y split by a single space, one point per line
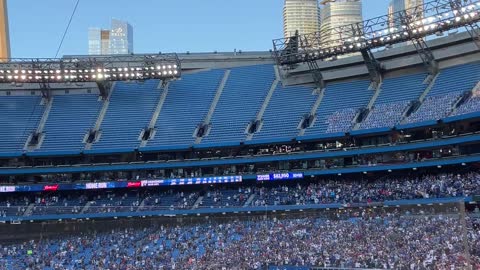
266 56
453 49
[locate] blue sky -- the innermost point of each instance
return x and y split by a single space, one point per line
36 26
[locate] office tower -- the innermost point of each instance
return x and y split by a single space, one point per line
4 35
121 37
301 15
98 41
117 40
412 7
336 13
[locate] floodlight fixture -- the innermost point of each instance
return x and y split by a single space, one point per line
84 69
411 24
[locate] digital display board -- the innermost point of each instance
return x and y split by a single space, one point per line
279 176
192 181
123 184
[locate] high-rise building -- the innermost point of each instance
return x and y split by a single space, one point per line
98 41
302 16
118 40
4 35
336 13
408 5
412 7
121 37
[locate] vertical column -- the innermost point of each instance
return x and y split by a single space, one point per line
4 35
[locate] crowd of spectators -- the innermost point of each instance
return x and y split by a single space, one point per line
343 190
43 205
380 240
114 202
171 200
13 205
235 197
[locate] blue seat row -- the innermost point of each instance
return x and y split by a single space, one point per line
131 107
70 118
189 99
19 117
185 106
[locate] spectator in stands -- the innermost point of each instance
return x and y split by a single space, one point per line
321 191
358 239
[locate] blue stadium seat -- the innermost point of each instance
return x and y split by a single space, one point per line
286 109
186 105
130 110
345 96
70 118
395 97
448 88
19 117
457 78
189 99
241 99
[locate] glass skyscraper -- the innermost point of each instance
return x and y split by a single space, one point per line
121 37
117 40
98 41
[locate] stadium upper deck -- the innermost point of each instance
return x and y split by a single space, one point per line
237 99
243 103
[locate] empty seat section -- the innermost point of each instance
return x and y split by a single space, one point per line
394 98
458 78
70 118
285 111
185 106
241 99
451 83
339 106
19 117
130 110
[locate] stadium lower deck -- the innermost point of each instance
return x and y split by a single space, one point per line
391 238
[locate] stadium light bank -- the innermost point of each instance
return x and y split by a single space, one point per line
416 23
90 69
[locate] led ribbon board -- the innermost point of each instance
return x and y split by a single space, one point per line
279 176
123 184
